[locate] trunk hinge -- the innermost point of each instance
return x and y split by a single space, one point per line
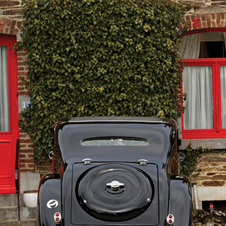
142 162
86 161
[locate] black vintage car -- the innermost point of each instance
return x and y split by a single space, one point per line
115 171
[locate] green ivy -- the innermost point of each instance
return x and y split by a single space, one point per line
189 165
100 58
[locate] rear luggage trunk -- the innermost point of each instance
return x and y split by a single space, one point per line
115 193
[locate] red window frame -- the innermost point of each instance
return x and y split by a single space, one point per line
217 131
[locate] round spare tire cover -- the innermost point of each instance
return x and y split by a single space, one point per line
114 192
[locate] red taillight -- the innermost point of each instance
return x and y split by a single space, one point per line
57 218
170 219
211 206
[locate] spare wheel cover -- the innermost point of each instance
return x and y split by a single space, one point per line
114 192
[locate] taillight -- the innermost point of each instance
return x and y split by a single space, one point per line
170 219
57 218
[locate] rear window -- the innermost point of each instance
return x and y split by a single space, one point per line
115 141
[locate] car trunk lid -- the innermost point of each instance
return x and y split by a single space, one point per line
115 192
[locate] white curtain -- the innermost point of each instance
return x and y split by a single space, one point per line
223 90
4 102
197 84
190 46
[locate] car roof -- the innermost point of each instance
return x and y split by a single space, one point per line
70 134
117 119
121 119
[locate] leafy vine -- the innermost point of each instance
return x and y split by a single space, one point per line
100 58
189 165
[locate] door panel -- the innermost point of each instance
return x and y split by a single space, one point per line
6 155
9 130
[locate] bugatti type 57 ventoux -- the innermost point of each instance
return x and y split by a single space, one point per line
115 171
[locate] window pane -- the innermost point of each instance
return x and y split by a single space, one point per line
212 50
223 95
115 141
203 45
197 84
4 99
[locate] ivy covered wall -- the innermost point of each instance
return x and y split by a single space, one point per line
100 58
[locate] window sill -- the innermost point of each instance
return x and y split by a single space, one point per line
205 143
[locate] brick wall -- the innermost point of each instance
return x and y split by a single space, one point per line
205 20
10 22
208 14
22 72
26 153
26 145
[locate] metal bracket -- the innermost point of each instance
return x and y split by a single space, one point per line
52 203
51 155
143 162
86 161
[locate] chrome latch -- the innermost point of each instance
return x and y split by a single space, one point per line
115 185
143 162
52 203
86 161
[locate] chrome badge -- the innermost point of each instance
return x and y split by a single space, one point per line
52 203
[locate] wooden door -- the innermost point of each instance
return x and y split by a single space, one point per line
9 130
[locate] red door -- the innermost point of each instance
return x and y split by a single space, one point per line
9 130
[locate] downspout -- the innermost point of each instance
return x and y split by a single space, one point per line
195 196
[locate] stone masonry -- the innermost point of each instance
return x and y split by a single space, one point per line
213 170
211 179
11 9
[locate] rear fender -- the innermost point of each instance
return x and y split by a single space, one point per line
49 189
180 200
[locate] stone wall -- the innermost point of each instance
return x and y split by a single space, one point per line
213 170
206 5
11 9
211 183
210 14
211 179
